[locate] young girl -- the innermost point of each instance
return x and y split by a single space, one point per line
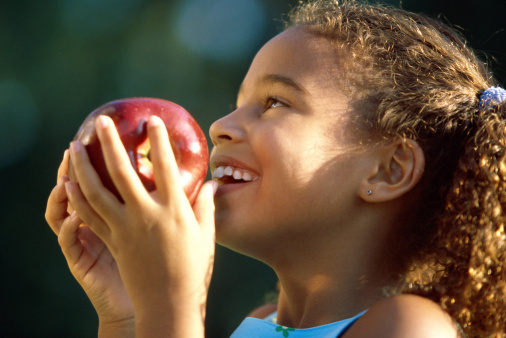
365 163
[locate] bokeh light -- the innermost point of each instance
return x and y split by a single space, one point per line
221 30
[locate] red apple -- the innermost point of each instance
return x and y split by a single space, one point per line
130 116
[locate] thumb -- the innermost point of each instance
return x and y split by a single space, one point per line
203 208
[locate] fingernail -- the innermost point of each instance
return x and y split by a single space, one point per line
75 146
63 179
102 121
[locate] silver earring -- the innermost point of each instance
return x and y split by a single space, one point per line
369 192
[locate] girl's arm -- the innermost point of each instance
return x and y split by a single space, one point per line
163 247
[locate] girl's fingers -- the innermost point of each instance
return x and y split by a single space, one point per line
63 171
68 239
56 210
165 167
102 200
64 165
204 207
86 212
118 162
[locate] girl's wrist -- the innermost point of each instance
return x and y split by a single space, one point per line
170 326
175 319
123 329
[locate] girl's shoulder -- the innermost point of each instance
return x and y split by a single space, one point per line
405 316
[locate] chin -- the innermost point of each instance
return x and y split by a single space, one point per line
246 239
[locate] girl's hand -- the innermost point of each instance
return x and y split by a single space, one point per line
90 261
164 248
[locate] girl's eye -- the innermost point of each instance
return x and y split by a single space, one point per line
273 102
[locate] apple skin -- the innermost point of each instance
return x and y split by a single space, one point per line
130 116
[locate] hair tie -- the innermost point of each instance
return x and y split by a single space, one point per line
492 97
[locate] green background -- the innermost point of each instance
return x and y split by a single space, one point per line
60 59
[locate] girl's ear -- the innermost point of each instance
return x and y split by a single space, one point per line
397 168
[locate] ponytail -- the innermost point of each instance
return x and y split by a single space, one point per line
470 244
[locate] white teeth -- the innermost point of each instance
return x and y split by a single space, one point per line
228 171
218 173
237 174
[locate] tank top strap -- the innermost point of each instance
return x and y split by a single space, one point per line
268 328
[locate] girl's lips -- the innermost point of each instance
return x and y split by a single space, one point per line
227 170
229 174
229 188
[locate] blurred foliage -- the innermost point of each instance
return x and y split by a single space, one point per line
61 59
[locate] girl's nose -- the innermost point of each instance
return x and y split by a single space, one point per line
227 129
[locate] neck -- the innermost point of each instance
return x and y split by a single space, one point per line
324 299
333 279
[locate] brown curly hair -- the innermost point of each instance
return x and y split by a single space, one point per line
414 77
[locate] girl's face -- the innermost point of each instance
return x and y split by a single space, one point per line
285 160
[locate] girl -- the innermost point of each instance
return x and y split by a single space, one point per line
370 143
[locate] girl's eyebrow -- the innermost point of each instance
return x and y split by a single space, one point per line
281 79
278 79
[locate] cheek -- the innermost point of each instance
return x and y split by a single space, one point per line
294 154
288 185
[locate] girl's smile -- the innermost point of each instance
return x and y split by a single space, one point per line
231 174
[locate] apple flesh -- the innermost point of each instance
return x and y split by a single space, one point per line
130 116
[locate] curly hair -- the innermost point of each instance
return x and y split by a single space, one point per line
414 77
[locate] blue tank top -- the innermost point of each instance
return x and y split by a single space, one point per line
267 328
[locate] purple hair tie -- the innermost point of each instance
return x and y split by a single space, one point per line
492 96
